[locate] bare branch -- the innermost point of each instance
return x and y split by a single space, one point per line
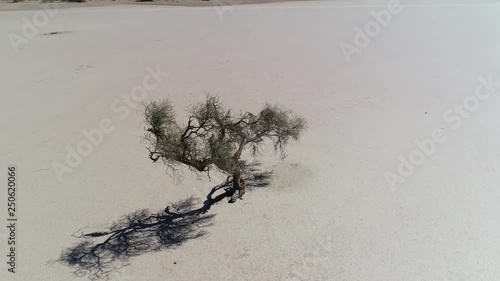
215 135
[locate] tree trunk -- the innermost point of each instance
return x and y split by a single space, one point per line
238 184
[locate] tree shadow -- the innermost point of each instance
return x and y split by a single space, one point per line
102 253
254 176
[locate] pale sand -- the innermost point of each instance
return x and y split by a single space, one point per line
36 5
442 224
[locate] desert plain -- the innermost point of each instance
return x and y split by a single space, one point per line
396 178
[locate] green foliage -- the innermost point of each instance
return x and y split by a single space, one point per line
214 135
279 125
160 116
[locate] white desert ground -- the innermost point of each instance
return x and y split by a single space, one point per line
329 211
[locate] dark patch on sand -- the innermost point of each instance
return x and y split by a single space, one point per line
56 32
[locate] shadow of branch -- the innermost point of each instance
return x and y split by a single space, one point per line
254 176
103 252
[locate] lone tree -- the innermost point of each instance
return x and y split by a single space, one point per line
216 136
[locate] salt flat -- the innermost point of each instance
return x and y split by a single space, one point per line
329 212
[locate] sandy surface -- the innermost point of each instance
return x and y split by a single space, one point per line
36 5
329 213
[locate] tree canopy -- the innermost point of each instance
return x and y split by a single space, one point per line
216 136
